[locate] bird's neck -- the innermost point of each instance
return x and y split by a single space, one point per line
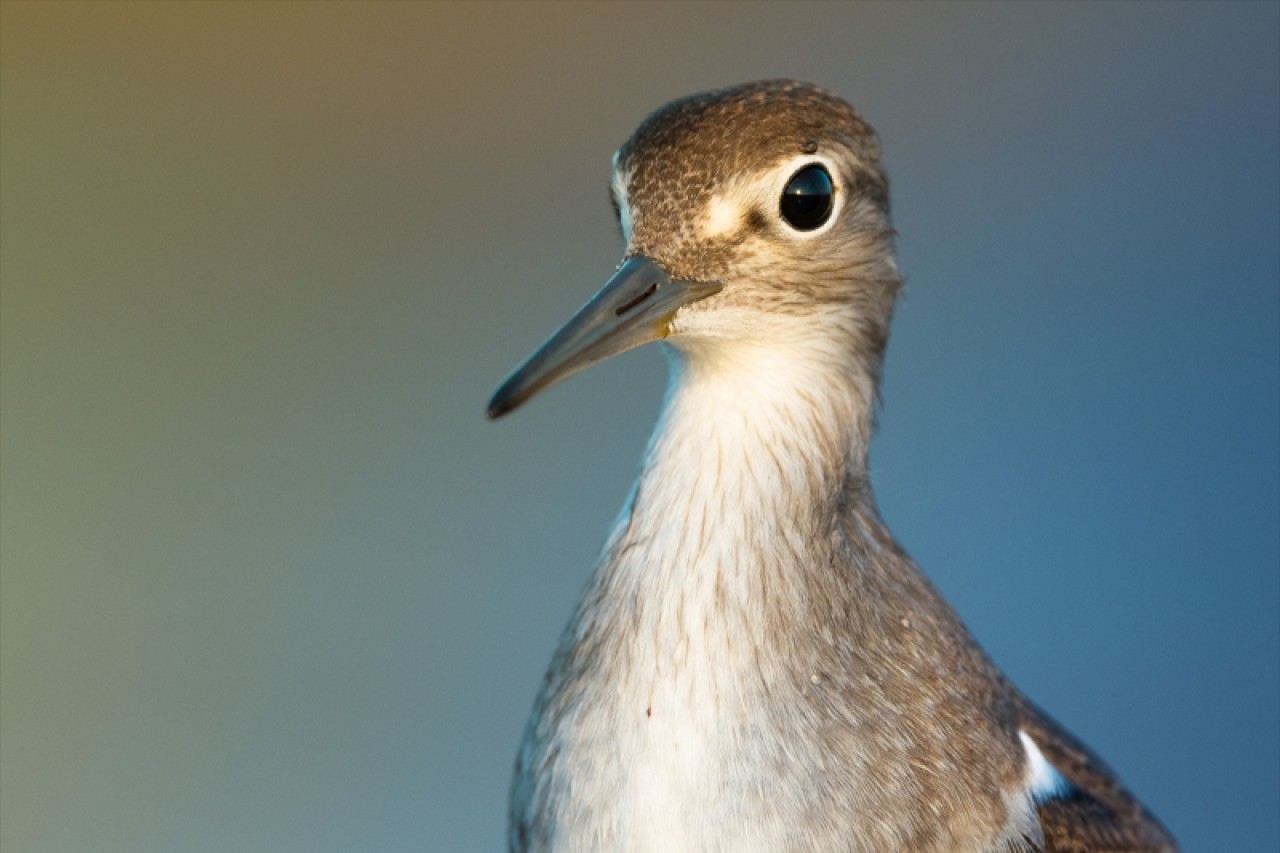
758 435
754 462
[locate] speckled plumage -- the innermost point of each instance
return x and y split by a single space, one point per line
756 664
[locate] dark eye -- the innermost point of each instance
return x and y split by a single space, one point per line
807 200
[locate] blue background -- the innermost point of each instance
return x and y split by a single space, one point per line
271 583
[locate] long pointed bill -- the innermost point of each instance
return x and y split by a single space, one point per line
634 307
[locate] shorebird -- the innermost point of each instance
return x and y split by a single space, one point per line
756 664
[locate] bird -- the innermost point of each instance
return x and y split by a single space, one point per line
755 663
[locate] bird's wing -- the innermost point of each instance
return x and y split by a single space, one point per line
1094 813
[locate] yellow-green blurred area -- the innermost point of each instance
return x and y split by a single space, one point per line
270 581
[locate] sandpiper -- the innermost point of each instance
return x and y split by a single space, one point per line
756 664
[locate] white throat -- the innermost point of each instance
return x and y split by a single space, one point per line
749 438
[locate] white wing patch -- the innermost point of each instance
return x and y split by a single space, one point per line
1044 782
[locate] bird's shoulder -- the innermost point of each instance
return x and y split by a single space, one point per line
1095 813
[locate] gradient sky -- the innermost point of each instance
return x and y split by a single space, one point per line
270 581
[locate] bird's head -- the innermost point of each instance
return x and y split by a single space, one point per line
755 215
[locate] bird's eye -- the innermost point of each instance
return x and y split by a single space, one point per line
808 198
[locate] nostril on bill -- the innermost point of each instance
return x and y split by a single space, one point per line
648 291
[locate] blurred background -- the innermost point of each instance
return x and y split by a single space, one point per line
272 583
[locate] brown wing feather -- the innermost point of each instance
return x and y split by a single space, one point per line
1098 815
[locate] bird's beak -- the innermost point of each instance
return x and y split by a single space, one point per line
634 307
